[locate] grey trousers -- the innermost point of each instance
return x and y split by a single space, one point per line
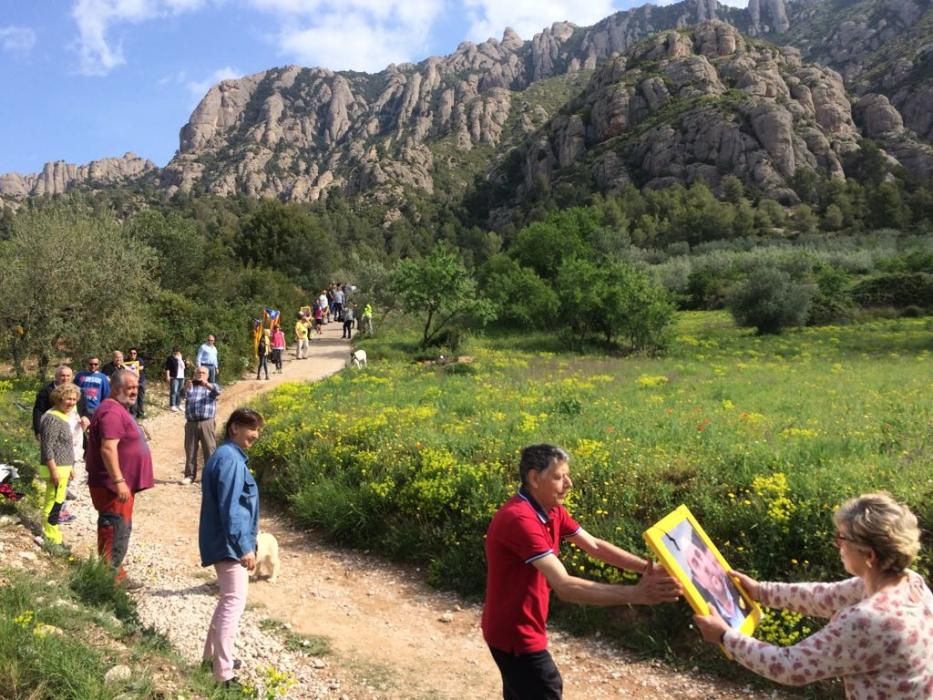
198 433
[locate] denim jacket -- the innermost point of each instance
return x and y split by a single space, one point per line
229 506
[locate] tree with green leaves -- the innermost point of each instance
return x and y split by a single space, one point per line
440 289
520 296
770 300
71 283
287 238
616 300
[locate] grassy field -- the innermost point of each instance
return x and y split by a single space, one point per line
760 436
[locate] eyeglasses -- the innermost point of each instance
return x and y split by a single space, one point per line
840 538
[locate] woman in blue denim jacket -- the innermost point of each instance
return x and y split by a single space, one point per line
227 534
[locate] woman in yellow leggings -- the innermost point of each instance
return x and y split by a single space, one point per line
57 451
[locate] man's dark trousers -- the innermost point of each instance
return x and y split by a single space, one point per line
531 676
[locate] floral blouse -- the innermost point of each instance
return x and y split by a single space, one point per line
880 645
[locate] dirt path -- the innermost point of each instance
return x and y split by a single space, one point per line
391 635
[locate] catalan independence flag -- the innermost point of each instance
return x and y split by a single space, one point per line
273 316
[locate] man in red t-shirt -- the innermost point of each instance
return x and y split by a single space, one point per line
119 465
522 545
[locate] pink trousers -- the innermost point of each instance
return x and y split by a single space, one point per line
233 579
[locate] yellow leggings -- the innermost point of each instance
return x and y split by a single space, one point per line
54 501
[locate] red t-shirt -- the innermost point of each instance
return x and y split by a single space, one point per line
517 594
113 422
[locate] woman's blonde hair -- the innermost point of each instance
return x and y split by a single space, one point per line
64 391
877 521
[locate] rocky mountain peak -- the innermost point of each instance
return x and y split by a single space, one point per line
696 105
293 132
59 177
768 17
511 40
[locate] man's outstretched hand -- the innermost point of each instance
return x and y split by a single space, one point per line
657 586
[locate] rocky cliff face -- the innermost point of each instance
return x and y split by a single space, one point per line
878 46
60 177
295 132
767 17
703 104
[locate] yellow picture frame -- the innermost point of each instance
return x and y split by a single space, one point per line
684 549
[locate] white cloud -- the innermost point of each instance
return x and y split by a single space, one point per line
17 39
198 88
353 34
97 53
488 18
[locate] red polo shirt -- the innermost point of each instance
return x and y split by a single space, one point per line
517 594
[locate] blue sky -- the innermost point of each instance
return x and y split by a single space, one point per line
87 79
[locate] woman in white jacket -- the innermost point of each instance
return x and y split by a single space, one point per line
879 638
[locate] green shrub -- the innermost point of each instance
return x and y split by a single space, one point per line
897 289
769 301
93 582
521 297
832 302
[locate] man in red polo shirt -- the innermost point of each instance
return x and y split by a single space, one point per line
522 545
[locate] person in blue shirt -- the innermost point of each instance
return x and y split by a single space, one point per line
227 535
208 357
95 386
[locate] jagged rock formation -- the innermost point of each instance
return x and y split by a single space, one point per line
878 46
703 104
767 17
296 132
59 177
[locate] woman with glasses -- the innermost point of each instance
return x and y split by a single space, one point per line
879 638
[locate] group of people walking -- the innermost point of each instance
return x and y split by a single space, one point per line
332 305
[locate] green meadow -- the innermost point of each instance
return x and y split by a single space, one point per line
760 436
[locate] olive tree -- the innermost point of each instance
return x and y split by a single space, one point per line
439 289
71 283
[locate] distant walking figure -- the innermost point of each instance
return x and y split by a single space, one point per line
207 357
262 352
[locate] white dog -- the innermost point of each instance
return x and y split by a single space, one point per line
267 556
358 358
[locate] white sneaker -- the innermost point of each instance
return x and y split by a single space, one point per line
186 481
175 408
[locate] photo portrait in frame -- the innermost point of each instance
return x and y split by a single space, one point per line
687 553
